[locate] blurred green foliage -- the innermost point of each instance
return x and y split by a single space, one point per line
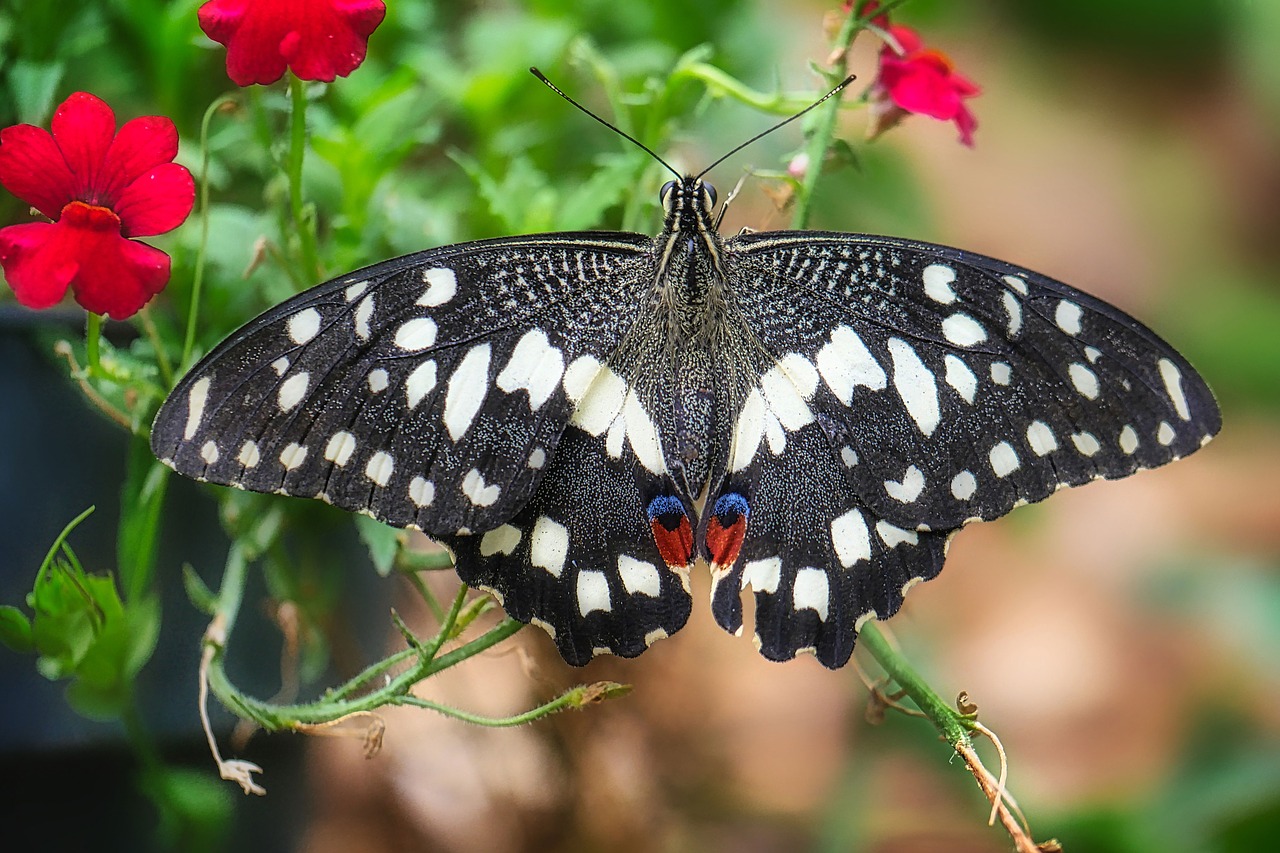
442 137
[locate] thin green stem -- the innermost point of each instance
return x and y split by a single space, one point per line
824 129
574 698
275 717
157 343
953 725
92 340
308 254
197 278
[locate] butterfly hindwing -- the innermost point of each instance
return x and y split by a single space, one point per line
583 558
817 559
427 391
949 385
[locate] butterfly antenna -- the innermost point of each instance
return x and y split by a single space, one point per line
645 148
839 86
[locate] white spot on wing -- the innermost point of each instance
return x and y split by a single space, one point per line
249 456
1017 283
1084 379
961 378
762 575
549 545
845 362
909 488
963 331
354 290
500 540
293 389
593 592
303 326
1172 377
1001 372
786 386
639 576
1013 308
1128 439
421 492
467 389
535 366
196 399
915 385
1067 316
537 458
1041 438
964 485
280 365
441 287
937 283
416 334
420 383
850 538
380 468
364 314
209 452
1165 434
893 536
1086 443
292 456
377 380
1004 459
480 494
811 592
340 447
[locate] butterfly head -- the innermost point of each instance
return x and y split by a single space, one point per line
687 205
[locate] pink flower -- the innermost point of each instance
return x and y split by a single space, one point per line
920 81
318 39
100 189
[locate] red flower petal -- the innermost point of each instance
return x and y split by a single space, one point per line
83 250
319 39
123 278
34 265
156 202
32 168
83 127
142 144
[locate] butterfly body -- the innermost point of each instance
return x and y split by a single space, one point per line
581 417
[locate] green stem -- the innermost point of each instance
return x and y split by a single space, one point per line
197 279
92 339
574 698
952 725
824 130
308 254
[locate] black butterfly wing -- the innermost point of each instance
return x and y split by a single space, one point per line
907 389
955 387
427 391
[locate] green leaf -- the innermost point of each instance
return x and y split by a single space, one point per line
15 629
382 541
198 592
141 502
34 85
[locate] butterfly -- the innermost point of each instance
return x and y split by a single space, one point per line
581 417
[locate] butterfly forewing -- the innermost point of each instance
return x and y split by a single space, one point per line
427 391
952 386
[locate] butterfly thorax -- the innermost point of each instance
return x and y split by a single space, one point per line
691 325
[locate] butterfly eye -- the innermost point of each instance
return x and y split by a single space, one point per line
665 192
710 193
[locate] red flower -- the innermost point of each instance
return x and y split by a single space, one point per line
99 188
318 39
920 81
